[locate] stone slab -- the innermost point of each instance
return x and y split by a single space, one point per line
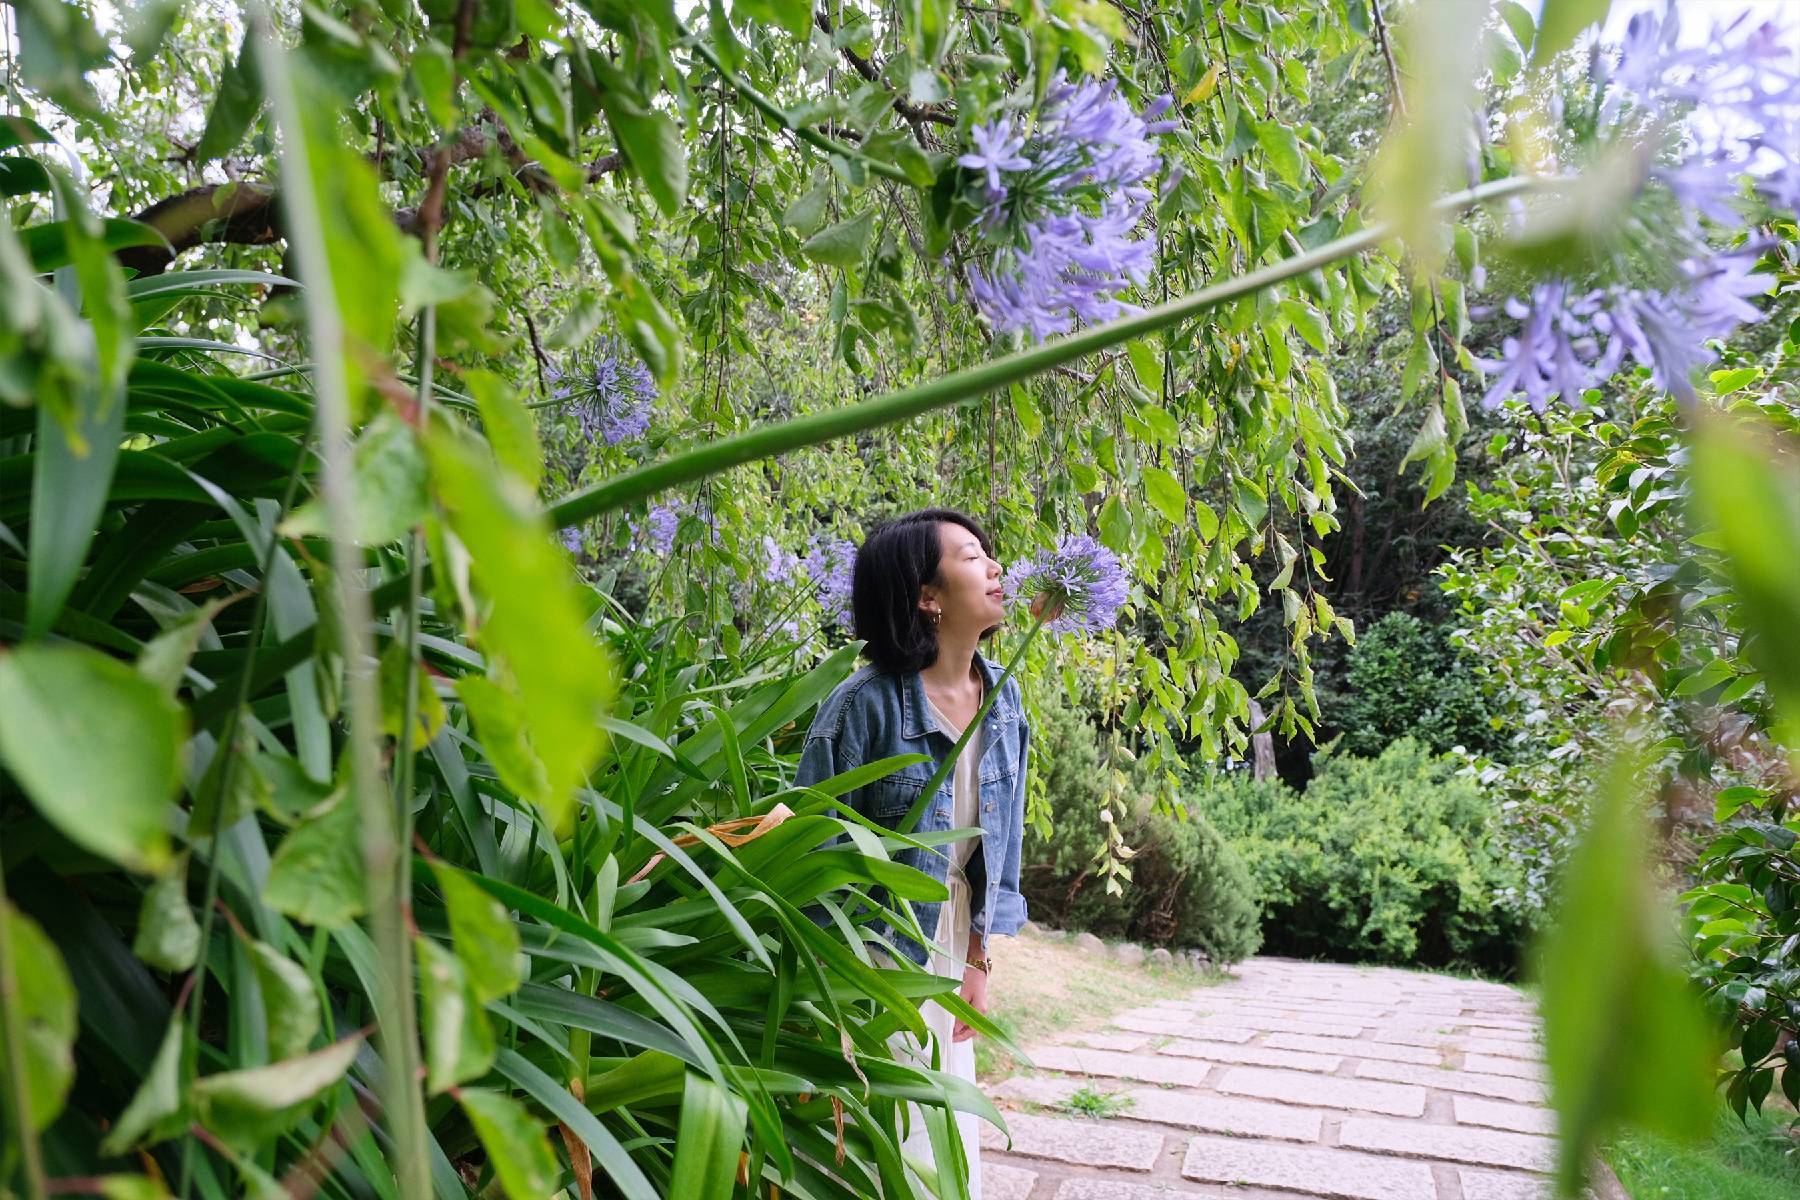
1354 1048
1294 1087
1259 1056
1214 1114
1075 1141
1492 1185
1113 1041
1315 1170
1240 1019
1500 1087
1493 1064
1182 1072
1530 1051
1001 1182
1040 1089
1197 1029
1457 1143
1120 1189
1520 1118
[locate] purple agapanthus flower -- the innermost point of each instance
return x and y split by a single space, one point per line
830 564
1062 198
1082 584
571 540
656 532
1712 113
1570 342
779 566
611 393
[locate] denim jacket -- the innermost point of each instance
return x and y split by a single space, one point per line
874 715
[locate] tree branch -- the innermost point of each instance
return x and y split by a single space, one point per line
869 71
249 214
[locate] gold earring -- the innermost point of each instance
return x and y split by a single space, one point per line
936 616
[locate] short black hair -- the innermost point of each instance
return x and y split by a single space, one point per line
897 560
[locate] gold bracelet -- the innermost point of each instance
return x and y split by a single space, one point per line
984 965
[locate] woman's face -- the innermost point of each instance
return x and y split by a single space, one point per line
967 591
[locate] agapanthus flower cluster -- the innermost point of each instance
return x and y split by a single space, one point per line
779 565
610 392
1081 584
1722 110
1062 196
830 564
656 531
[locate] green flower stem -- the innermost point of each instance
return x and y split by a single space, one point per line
814 428
402 1104
911 820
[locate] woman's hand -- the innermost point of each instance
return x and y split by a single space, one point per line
975 995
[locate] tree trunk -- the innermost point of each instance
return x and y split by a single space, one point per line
1262 745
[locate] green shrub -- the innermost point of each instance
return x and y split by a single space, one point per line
1404 679
1390 859
1187 887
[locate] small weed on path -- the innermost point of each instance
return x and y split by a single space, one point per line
1090 1102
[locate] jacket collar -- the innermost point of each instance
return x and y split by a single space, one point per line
915 716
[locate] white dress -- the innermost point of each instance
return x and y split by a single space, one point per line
953 936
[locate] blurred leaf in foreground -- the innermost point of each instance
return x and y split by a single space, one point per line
1626 1039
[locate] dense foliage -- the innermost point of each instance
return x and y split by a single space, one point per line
359 835
1183 885
1391 859
1404 679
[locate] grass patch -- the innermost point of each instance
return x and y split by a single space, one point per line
1089 1102
1043 985
1757 1160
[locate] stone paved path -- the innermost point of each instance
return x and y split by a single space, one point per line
1291 1080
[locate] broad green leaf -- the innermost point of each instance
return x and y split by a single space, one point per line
428 709
1561 21
499 718
535 627
130 1187
708 1141
235 105
1147 365
515 1144
459 1042
509 426
483 935
168 937
652 142
1165 493
842 244
795 16
434 74
1282 146
156 1111
387 495
317 874
1752 504
96 747
246 1108
47 1018
1308 323
290 1001
806 214
165 657
1612 983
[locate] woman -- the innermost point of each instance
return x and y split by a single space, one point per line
925 591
